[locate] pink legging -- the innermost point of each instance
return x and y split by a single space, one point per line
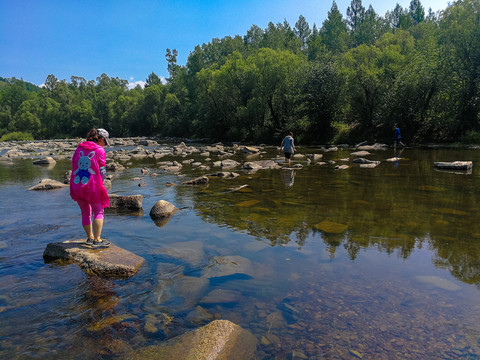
86 208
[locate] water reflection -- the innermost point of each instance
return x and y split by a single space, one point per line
288 177
370 208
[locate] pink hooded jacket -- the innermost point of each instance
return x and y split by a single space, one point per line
86 182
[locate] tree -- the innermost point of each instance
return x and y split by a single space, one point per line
355 17
254 37
171 57
152 79
417 12
334 31
302 31
371 73
51 82
321 100
460 35
371 28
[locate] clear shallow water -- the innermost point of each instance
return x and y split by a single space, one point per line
382 263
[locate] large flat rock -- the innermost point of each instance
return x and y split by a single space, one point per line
112 261
218 340
454 165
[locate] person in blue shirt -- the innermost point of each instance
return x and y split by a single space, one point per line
398 137
288 147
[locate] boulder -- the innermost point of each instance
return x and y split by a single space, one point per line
315 157
148 143
226 163
375 146
218 340
48 184
365 161
224 174
330 149
259 165
455 165
250 150
112 261
129 202
360 153
368 166
67 176
394 159
162 209
115 166
197 181
45 161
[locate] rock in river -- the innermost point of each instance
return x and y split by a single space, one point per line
218 340
130 202
48 184
455 165
112 261
45 161
162 209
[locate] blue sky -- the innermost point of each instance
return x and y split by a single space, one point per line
128 38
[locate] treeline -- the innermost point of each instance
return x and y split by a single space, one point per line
350 79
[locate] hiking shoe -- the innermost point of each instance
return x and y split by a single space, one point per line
89 242
102 244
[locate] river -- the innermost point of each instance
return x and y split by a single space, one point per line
379 263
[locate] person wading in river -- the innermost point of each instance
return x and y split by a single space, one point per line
86 184
288 147
397 136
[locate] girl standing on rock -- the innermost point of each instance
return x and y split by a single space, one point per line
86 184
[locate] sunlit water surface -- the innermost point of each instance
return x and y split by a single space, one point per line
376 263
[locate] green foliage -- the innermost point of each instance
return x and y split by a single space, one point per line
17 136
471 138
341 133
349 80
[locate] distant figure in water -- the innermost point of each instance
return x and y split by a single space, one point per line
288 147
397 136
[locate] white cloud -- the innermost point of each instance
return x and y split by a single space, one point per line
133 85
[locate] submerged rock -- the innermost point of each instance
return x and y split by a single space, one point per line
439 282
228 265
331 227
218 340
197 181
112 261
45 161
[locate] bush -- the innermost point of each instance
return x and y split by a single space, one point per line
16 135
341 133
470 138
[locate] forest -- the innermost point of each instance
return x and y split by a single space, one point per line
351 79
